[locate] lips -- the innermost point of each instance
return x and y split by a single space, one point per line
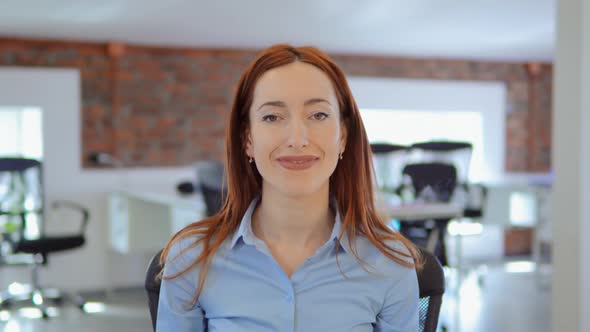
297 162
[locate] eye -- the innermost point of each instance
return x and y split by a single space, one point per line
320 116
270 118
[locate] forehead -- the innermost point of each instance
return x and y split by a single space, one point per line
294 82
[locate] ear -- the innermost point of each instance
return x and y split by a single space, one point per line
248 143
343 136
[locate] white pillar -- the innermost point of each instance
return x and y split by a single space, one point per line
571 164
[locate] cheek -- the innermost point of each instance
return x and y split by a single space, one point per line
262 141
331 137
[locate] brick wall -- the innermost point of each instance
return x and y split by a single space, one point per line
162 106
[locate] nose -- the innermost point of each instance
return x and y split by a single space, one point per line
297 134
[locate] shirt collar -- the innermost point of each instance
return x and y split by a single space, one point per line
338 226
245 233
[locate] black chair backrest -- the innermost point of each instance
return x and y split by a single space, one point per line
440 177
382 148
17 164
475 210
152 286
442 146
431 281
213 198
21 191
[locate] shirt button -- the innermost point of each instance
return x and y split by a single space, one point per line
289 298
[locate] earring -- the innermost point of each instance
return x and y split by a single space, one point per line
250 160
341 155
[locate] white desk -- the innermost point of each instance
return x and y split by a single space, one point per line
144 222
424 211
418 211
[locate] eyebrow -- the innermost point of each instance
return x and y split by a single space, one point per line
278 103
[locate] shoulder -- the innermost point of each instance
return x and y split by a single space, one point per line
378 260
182 253
400 281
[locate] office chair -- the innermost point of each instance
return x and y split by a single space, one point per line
436 182
431 282
476 199
211 183
213 198
152 286
384 148
21 203
455 153
388 160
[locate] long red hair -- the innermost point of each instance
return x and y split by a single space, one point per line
351 183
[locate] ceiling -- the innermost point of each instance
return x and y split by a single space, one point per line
506 30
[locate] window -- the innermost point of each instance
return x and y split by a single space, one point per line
418 110
523 209
407 127
22 134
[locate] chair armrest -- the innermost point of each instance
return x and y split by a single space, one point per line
77 207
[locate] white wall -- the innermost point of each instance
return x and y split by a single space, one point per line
571 164
57 93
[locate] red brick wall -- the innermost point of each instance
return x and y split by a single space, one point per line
163 106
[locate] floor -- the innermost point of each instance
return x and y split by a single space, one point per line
502 297
124 311
491 299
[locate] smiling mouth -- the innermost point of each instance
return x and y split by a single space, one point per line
297 165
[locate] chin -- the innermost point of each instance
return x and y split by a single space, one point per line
297 188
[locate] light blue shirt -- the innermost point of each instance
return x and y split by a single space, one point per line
246 289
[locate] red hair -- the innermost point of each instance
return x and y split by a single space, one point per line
351 183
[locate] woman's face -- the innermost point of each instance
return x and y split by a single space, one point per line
295 134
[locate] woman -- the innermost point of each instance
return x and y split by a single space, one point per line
298 245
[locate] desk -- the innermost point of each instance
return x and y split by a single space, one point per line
423 211
144 222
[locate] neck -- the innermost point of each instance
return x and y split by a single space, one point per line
293 221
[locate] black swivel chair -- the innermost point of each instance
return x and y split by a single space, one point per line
475 210
431 281
441 180
21 200
211 184
213 198
388 160
152 286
